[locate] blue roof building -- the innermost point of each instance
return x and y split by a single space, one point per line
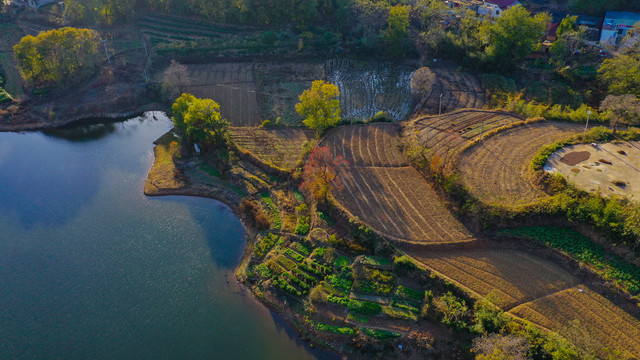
617 25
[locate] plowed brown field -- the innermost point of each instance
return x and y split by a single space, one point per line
280 147
385 192
513 276
601 322
232 85
459 90
496 169
445 135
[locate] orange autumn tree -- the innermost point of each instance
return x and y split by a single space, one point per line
321 173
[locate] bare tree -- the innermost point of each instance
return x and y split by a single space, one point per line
622 109
175 80
496 346
421 82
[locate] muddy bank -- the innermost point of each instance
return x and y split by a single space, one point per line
87 105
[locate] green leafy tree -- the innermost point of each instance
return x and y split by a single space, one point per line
395 34
200 120
621 75
320 106
569 23
57 57
513 36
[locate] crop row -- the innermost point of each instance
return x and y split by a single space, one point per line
514 276
400 203
367 145
497 170
567 312
611 267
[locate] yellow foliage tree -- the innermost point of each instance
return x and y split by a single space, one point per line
57 57
319 106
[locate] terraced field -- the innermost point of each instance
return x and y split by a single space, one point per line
369 87
459 90
280 147
232 85
513 276
385 192
445 135
602 322
496 170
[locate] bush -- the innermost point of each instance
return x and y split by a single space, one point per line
266 123
4 96
265 244
254 213
269 37
403 264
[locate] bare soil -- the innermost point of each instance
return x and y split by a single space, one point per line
612 169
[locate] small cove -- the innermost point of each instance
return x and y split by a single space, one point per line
91 268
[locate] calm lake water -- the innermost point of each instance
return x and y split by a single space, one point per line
90 268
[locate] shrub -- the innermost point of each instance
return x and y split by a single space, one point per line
265 244
4 96
303 226
266 123
380 334
269 37
254 213
403 264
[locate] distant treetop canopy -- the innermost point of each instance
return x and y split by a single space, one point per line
58 57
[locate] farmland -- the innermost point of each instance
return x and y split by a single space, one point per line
386 193
369 87
280 85
446 135
198 39
232 85
586 318
459 90
496 170
281 147
513 276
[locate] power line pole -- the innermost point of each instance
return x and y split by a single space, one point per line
64 13
104 42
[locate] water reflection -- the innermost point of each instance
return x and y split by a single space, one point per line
82 133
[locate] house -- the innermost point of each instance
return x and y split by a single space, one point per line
463 4
36 4
617 25
494 8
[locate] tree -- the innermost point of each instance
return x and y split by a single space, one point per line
513 36
200 120
622 109
320 106
395 34
567 46
58 57
499 347
321 173
621 75
569 23
175 80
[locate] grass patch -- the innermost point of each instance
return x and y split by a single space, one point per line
333 329
409 293
380 334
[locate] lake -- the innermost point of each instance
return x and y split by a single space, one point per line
91 268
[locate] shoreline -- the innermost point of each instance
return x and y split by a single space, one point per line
287 316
